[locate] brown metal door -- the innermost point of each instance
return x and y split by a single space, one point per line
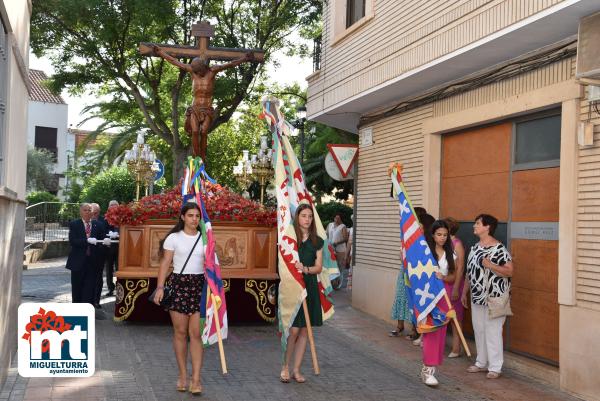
475 179
534 247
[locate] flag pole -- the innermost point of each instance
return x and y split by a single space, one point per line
311 339
457 325
218 322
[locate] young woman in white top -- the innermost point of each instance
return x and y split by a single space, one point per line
440 245
187 287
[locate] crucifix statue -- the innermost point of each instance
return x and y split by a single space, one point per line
200 115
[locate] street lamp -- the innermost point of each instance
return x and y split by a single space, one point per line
140 161
299 124
258 167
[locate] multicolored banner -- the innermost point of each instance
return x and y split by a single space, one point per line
191 188
426 294
291 191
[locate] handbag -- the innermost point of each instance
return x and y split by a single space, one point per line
168 292
497 306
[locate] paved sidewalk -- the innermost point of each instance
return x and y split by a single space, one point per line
358 362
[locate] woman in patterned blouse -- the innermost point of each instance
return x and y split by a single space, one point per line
489 268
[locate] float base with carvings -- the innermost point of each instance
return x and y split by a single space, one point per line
247 255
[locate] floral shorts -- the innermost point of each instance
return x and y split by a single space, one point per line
188 292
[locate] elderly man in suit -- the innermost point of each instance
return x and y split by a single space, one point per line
82 261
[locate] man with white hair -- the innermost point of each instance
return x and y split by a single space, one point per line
83 235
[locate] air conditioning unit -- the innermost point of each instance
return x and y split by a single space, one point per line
588 50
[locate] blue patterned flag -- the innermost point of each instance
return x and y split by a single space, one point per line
426 294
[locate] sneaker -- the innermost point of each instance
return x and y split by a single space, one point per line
475 369
453 355
427 375
418 341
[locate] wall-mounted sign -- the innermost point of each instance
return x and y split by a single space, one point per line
365 136
534 230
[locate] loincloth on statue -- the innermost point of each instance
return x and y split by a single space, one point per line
200 114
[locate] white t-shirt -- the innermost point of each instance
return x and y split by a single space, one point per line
443 264
182 243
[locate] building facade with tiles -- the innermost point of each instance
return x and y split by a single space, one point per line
489 105
47 128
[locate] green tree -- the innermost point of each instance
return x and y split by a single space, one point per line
40 164
93 46
226 143
114 183
317 178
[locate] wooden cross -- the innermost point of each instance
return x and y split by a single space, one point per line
202 31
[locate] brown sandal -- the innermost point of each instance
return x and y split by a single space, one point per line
196 391
284 376
299 378
180 387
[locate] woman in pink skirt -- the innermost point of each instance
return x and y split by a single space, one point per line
435 341
455 289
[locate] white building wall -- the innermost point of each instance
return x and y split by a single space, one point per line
51 115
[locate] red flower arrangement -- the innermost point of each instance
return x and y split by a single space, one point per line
221 204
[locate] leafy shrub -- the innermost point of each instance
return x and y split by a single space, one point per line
68 212
40 196
115 183
327 212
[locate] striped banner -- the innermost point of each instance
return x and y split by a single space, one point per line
291 191
191 190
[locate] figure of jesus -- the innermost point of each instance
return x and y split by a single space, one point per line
200 115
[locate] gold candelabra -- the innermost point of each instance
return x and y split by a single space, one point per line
262 172
140 161
258 168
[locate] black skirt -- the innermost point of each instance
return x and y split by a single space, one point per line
188 292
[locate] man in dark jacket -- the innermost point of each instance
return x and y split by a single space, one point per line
82 260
